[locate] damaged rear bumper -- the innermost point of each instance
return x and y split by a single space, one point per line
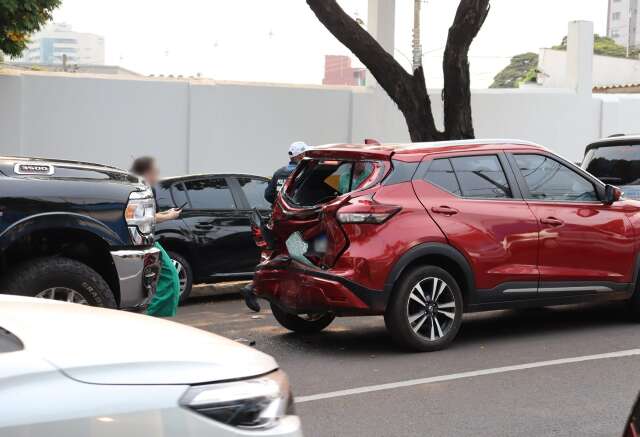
297 289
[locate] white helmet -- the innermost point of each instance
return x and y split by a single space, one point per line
297 148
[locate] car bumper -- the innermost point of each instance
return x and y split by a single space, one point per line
297 289
138 272
90 410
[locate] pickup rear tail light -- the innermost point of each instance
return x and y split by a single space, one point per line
366 211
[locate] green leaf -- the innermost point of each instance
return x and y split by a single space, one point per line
22 17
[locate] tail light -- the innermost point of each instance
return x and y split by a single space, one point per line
261 235
256 232
366 211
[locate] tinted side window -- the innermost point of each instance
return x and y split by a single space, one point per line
547 179
617 165
441 174
211 193
481 177
254 190
179 194
163 196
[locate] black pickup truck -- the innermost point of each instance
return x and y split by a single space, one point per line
76 232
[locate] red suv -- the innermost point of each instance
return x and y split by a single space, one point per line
425 232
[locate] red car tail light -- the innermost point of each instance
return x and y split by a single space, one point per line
260 232
257 237
366 211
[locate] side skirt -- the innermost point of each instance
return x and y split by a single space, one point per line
523 295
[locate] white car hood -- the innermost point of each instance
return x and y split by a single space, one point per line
101 346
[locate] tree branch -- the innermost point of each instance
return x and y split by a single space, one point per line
407 91
456 94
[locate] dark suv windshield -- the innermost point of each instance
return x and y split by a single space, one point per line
616 165
319 181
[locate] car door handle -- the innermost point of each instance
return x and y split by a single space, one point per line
445 210
551 221
204 226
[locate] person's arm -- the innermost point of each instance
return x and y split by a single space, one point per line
271 191
165 216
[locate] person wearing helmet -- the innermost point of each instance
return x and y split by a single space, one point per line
280 176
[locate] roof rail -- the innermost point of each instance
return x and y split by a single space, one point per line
478 141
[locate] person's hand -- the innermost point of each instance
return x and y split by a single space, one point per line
172 214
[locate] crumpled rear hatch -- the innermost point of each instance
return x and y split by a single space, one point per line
304 225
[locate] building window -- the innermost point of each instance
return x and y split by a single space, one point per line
65 41
65 50
615 16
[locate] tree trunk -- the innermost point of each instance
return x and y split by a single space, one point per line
409 92
458 122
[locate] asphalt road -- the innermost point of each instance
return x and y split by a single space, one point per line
589 396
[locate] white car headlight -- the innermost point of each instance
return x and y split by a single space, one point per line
257 403
141 211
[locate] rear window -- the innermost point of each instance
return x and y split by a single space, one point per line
616 165
213 193
481 177
319 181
254 190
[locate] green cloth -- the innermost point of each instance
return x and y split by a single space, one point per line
165 302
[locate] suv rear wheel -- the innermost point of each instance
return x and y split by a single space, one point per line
305 323
425 312
59 278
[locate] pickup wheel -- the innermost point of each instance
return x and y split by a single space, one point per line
61 279
425 311
185 274
306 324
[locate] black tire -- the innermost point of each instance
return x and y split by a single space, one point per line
185 274
634 304
296 323
438 325
58 278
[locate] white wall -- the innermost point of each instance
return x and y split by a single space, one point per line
607 70
200 126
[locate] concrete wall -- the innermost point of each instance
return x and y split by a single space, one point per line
607 70
199 126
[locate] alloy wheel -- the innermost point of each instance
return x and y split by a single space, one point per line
182 275
431 308
312 317
64 294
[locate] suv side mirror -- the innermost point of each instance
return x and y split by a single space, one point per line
611 194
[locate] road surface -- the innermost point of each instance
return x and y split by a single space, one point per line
552 372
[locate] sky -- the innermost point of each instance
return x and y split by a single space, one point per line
282 41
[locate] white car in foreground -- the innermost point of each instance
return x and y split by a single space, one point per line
77 371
